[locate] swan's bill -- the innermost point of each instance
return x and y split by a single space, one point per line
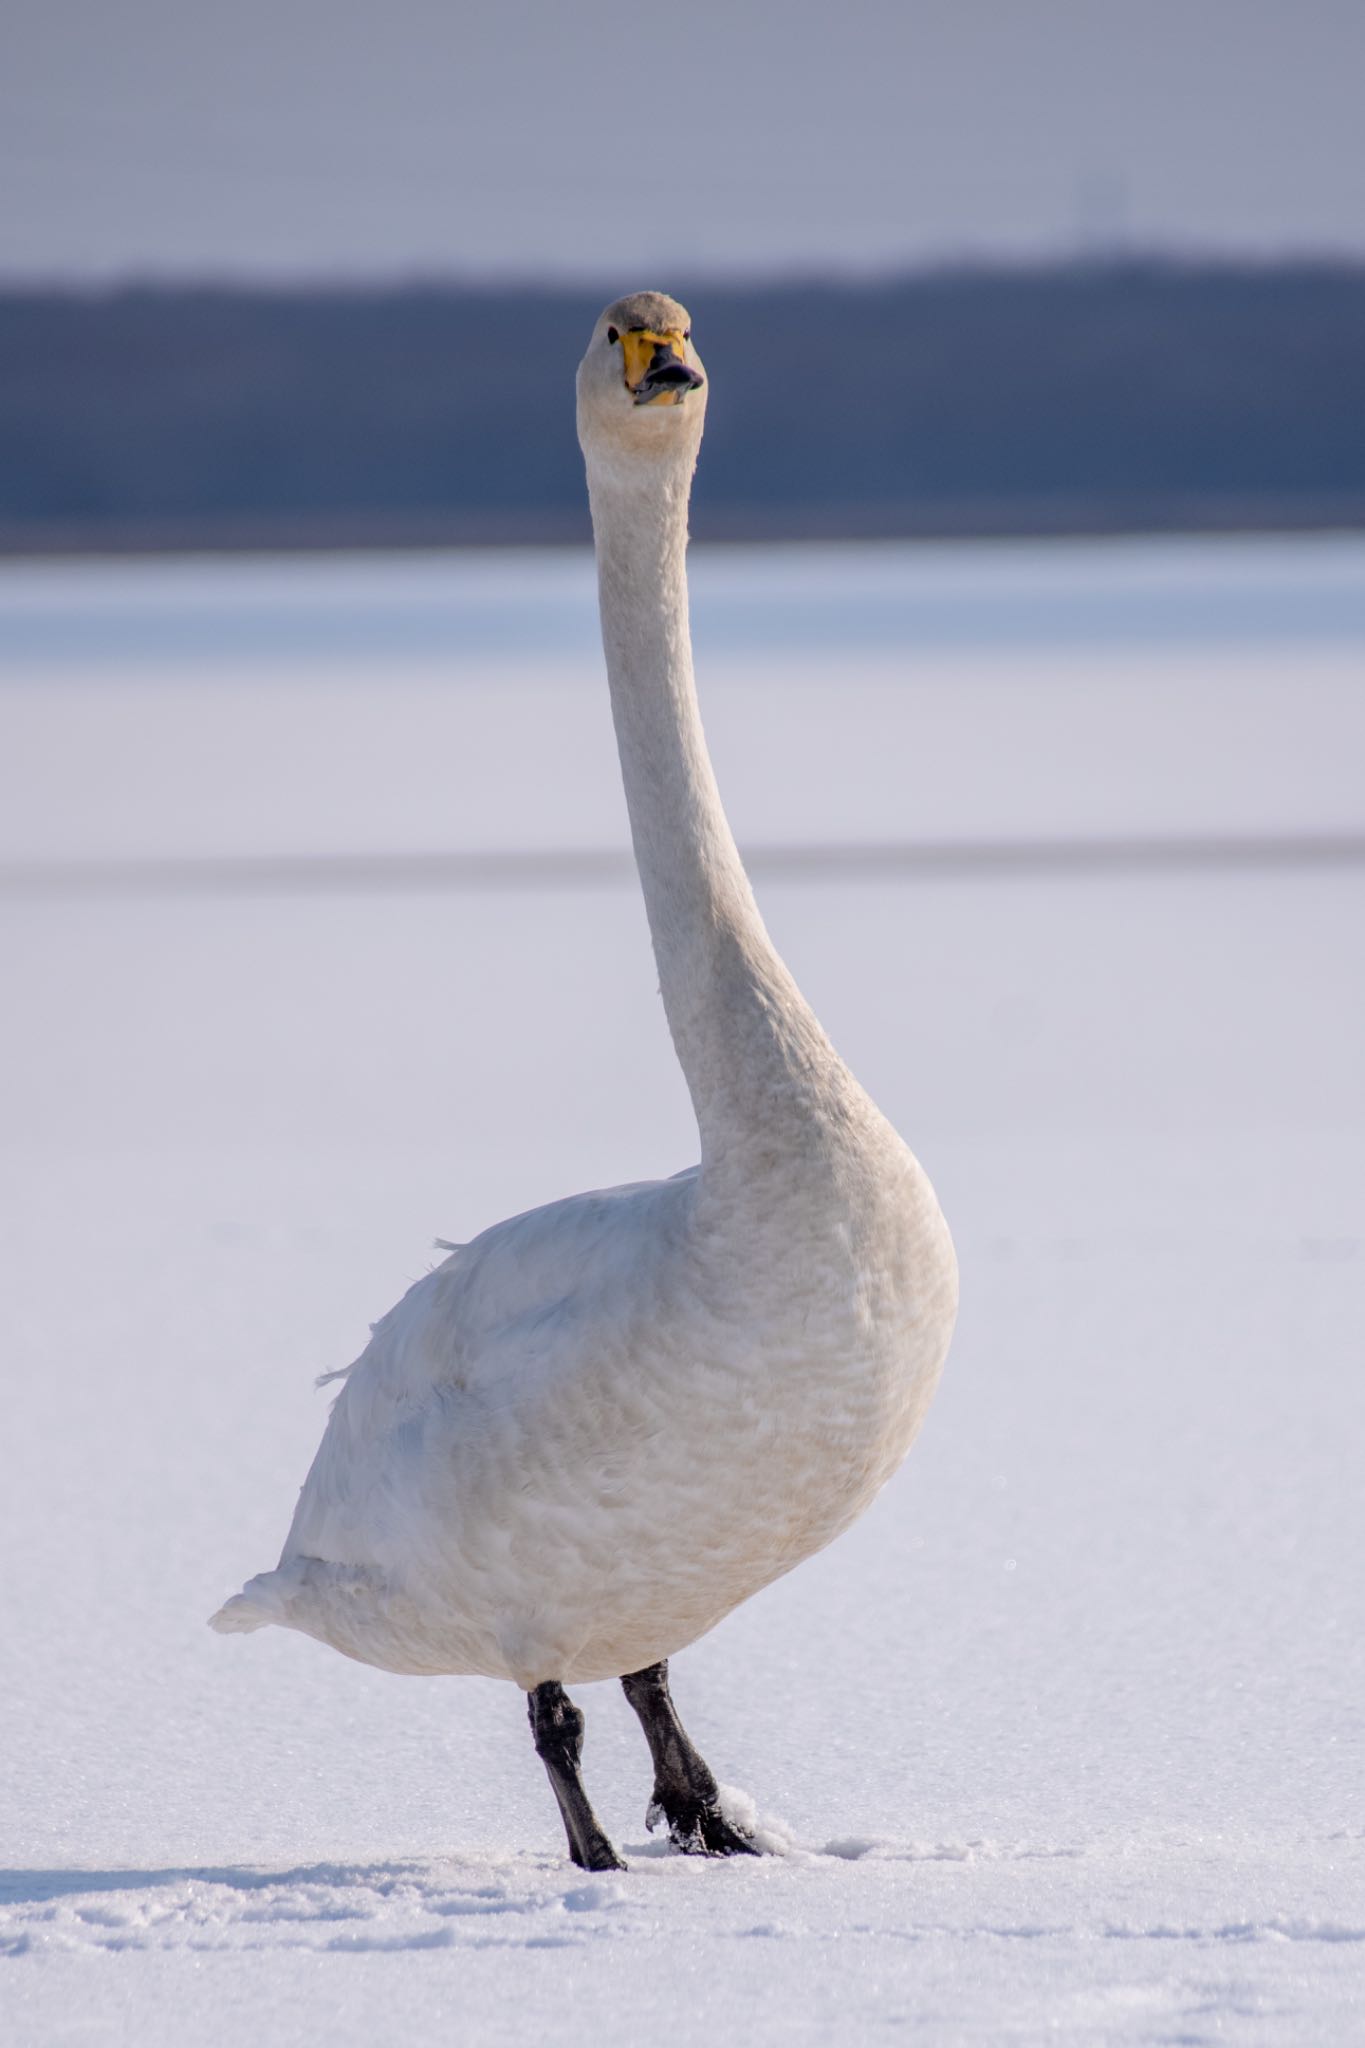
656 367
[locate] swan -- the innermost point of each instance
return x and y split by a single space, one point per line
591 1432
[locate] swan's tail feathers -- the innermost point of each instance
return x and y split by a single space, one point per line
256 1606
351 1606
238 1616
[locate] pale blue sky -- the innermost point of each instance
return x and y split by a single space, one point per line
314 138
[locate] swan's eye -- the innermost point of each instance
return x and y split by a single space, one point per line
612 335
687 334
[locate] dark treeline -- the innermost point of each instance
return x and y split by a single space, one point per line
1084 398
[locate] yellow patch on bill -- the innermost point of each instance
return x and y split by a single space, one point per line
639 346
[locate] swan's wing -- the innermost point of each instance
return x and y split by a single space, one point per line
444 1331
456 1371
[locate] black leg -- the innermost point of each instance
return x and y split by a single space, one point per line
684 1790
557 1726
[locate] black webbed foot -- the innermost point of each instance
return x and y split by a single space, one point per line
685 1792
699 1828
557 1726
596 1855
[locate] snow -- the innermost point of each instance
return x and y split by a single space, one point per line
1063 1741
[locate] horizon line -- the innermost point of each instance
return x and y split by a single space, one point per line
816 273
558 868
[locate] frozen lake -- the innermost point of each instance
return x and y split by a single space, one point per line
320 941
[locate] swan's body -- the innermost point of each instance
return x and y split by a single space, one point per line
590 1433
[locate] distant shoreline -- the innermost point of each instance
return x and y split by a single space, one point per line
1085 399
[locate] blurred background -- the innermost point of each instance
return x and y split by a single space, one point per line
1029 599
299 274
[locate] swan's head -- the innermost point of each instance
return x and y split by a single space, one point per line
641 387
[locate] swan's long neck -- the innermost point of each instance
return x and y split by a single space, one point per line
752 1053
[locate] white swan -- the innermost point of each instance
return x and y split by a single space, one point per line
589 1434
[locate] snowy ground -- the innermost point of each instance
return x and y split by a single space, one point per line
1064 1741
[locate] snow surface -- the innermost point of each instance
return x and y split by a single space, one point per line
1064 1741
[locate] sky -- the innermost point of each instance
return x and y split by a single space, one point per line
319 139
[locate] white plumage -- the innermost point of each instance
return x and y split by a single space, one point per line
585 1437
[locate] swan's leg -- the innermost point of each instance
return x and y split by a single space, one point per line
685 1792
557 1726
